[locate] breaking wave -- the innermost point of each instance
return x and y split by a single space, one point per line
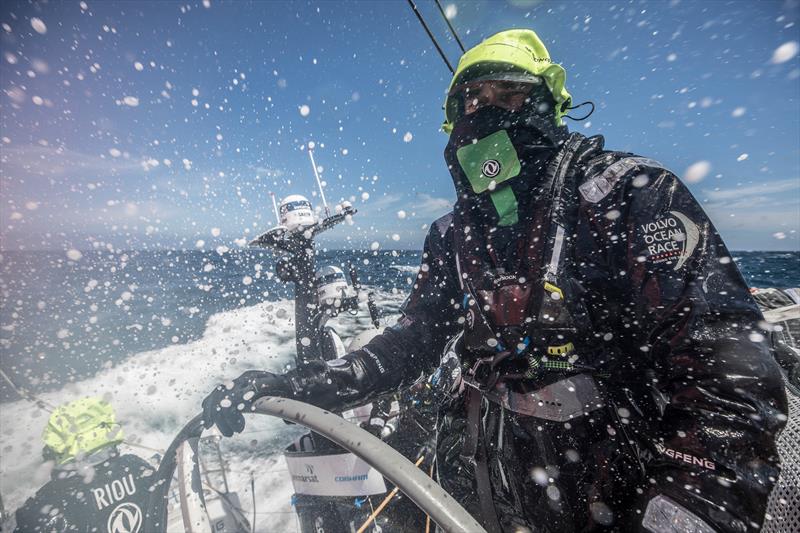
154 393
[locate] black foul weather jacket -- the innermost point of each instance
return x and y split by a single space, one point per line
608 372
107 497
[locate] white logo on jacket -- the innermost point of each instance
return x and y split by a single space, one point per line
671 239
126 518
491 168
113 492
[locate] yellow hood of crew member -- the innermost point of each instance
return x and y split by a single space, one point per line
80 428
514 55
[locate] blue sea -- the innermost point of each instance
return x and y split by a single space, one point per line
153 332
64 320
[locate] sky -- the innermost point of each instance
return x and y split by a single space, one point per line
151 125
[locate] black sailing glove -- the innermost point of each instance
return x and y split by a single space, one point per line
225 405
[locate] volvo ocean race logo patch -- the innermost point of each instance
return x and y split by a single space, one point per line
491 168
671 239
126 518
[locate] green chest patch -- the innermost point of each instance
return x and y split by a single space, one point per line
487 164
491 159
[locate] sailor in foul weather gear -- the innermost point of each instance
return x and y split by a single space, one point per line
93 488
605 369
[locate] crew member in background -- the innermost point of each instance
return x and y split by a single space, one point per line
93 488
605 368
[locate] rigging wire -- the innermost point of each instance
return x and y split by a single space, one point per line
253 493
143 447
50 408
430 35
27 395
452 30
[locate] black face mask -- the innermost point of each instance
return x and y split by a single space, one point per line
496 158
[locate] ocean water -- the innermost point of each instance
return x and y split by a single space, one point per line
63 320
153 332
780 270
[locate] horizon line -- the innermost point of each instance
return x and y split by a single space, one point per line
247 249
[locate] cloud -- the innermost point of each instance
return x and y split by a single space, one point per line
378 204
764 219
429 206
750 203
149 216
131 211
269 172
753 229
749 215
53 162
760 189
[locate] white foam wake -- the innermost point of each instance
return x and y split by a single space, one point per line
155 393
409 269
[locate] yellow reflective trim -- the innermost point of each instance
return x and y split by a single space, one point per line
564 349
549 287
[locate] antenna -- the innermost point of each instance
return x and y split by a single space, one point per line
275 205
316 175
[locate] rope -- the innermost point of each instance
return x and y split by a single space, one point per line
142 446
28 396
384 503
46 406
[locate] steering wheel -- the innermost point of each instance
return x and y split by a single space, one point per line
428 495
155 518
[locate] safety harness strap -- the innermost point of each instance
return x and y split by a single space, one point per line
560 401
472 400
474 451
489 518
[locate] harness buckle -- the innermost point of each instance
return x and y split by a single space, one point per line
552 289
562 350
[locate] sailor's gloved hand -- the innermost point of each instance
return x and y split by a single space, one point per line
225 405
